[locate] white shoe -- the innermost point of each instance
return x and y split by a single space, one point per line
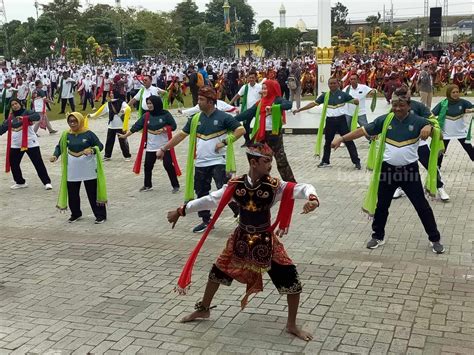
443 195
398 193
48 187
19 186
127 159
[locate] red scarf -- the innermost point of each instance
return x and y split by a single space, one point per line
138 162
273 91
100 92
172 152
24 138
282 221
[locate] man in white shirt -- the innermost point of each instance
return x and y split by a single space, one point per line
250 94
66 92
360 92
146 91
22 91
88 87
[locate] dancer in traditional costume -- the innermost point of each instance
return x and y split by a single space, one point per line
80 149
21 139
156 126
254 247
40 99
450 114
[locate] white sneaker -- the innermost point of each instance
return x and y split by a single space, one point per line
127 159
398 193
443 195
19 186
48 187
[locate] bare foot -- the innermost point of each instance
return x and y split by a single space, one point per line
196 315
299 332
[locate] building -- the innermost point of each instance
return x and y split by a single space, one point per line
251 48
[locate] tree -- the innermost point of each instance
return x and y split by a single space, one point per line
338 20
63 12
74 55
185 16
160 35
265 32
239 8
200 33
373 21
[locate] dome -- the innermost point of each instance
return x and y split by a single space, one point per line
301 26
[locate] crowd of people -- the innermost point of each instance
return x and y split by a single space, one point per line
265 92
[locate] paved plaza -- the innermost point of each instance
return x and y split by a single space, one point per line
83 288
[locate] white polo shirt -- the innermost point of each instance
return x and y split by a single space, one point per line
152 90
253 94
360 93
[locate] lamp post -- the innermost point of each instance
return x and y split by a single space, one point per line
226 8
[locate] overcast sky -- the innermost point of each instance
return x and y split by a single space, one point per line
269 9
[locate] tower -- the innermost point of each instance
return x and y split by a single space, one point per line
282 16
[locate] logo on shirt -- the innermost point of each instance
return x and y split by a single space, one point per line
460 107
216 122
339 97
160 120
389 127
84 140
412 112
411 128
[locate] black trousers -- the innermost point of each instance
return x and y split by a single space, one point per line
248 130
275 142
54 86
88 97
35 156
104 96
203 177
73 188
285 91
466 146
150 159
337 125
110 142
408 178
284 277
71 103
194 94
424 158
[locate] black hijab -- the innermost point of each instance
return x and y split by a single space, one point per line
157 105
20 111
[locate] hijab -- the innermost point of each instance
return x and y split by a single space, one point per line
157 105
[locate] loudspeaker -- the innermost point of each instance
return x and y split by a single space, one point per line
435 21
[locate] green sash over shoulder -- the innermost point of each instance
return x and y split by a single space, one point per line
101 182
244 98
436 147
322 123
370 201
140 109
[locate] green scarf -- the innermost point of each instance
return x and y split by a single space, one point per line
101 183
372 154
370 201
140 109
244 98
435 147
230 166
189 189
166 102
322 123
276 119
373 103
354 119
256 124
442 113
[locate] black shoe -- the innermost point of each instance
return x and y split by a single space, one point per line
438 248
100 220
324 165
200 227
357 166
175 190
73 219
